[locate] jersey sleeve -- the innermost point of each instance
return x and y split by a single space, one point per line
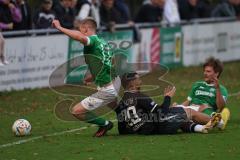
147 103
91 40
191 93
150 105
166 104
224 93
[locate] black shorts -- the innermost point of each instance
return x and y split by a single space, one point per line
172 122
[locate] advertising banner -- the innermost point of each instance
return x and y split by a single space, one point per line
219 40
147 50
171 46
32 60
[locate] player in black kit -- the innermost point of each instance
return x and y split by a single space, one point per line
139 114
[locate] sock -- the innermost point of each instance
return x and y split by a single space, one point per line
93 119
220 124
188 127
198 128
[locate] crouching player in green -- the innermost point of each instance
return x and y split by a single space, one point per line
209 96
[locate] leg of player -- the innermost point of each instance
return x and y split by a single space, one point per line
191 127
83 114
197 117
217 119
112 105
225 117
182 120
105 96
225 114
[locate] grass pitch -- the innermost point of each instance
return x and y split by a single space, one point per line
49 139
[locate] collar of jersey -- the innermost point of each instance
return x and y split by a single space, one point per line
93 35
211 85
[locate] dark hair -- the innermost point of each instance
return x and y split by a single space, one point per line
91 21
216 64
127 78
47 1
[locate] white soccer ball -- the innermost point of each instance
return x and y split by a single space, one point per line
21 127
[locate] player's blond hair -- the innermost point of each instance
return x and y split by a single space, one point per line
90 22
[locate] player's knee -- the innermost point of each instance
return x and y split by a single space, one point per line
77 110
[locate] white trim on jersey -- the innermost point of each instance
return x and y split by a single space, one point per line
189 98
154 107
88 41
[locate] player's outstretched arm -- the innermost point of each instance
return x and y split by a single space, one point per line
71 33
168 94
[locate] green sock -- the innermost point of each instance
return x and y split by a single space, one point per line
93 119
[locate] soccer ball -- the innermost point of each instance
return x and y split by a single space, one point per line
21 127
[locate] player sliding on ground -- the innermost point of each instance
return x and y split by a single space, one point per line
139 114
98 57
209 96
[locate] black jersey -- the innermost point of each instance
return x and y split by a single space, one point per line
135 111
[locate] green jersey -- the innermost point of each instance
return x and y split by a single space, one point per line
98 57
204 93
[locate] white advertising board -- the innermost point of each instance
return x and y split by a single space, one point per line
32 60
219 40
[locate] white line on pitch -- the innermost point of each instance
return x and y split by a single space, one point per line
39 137
48 135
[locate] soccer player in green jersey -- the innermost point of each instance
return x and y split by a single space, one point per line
209 96
98 57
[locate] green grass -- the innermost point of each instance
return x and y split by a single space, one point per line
37 106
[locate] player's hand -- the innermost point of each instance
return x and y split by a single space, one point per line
216 82
169 91
174 104
56 24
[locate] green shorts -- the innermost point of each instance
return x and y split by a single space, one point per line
208 111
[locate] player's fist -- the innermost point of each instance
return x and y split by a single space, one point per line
56 24
174 104
216 82
169 91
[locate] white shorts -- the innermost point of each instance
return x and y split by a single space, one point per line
195 107
103 96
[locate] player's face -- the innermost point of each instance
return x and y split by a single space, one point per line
209 74
137 83
83 28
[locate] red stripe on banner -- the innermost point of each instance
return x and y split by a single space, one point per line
155 38
155 46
